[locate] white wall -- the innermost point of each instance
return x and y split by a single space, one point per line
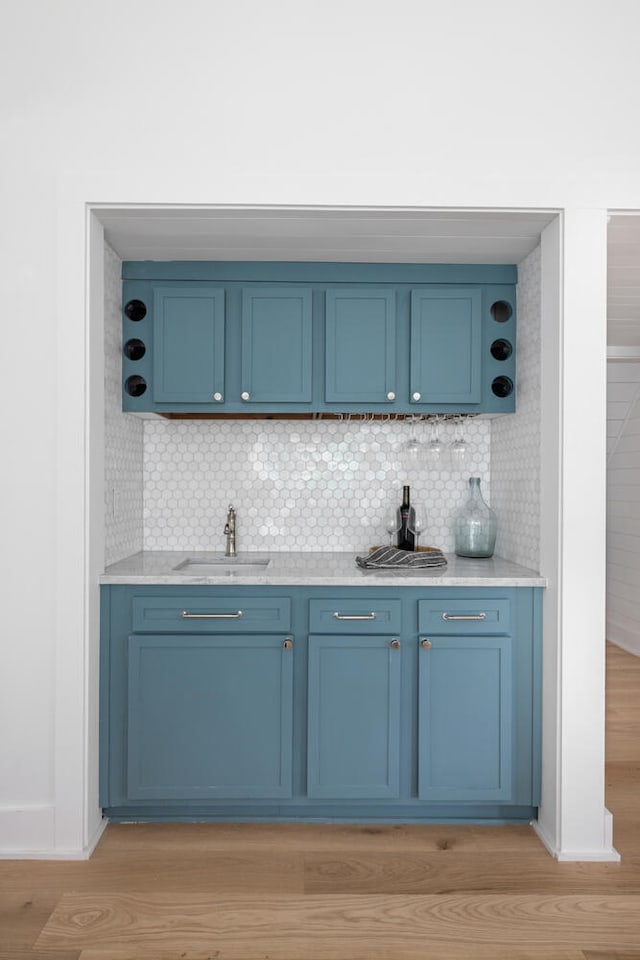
623 504
454 104
123 435
515 440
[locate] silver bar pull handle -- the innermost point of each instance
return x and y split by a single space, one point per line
464 616
359 616
210 616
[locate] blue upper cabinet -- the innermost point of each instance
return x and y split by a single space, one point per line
360 346
269 338
188 345
446 339
276 345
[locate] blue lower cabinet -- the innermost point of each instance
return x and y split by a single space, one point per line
353 744
209 717
416 704
465 720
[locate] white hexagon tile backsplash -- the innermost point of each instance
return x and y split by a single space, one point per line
299 485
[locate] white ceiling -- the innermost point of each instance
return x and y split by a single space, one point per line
349 234
410 236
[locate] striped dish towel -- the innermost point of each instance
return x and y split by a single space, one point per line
390 558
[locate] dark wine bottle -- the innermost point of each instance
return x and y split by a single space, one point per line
502 386
134 349
135 386
406 523
135 310
501 349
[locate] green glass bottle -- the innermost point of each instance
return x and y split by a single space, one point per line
475 525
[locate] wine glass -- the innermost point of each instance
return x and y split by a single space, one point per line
418 528
435 447
458 447
392 524
412 446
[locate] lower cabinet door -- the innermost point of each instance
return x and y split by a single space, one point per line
465 717
209 717
353 717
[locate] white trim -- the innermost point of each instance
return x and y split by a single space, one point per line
608 853
44 852
26 830
75 625
582 492
551 256
573 451
71 571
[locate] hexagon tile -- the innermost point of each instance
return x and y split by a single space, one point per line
317 485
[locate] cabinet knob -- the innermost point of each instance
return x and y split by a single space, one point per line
395 644
426 644
416 396
218 396
245 395
288 643
391 395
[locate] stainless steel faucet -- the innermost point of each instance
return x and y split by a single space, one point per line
230 532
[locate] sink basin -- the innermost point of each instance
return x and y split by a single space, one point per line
221 566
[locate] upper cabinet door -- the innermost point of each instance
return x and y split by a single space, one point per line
276 345
360 346
188 345
446 345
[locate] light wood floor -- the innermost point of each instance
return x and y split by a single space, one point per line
307 892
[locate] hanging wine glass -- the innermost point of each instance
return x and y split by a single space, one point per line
458 447
434 448
413 446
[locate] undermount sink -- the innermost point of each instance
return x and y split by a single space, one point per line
219 566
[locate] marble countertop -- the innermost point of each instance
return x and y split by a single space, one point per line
317 569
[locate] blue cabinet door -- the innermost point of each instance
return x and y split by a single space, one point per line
465 720
353 717
446 345
209 717
360 346
276 345
188 345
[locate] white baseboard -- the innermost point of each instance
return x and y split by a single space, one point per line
607 854
623 638
27 833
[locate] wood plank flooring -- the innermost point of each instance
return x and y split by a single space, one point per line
342 892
